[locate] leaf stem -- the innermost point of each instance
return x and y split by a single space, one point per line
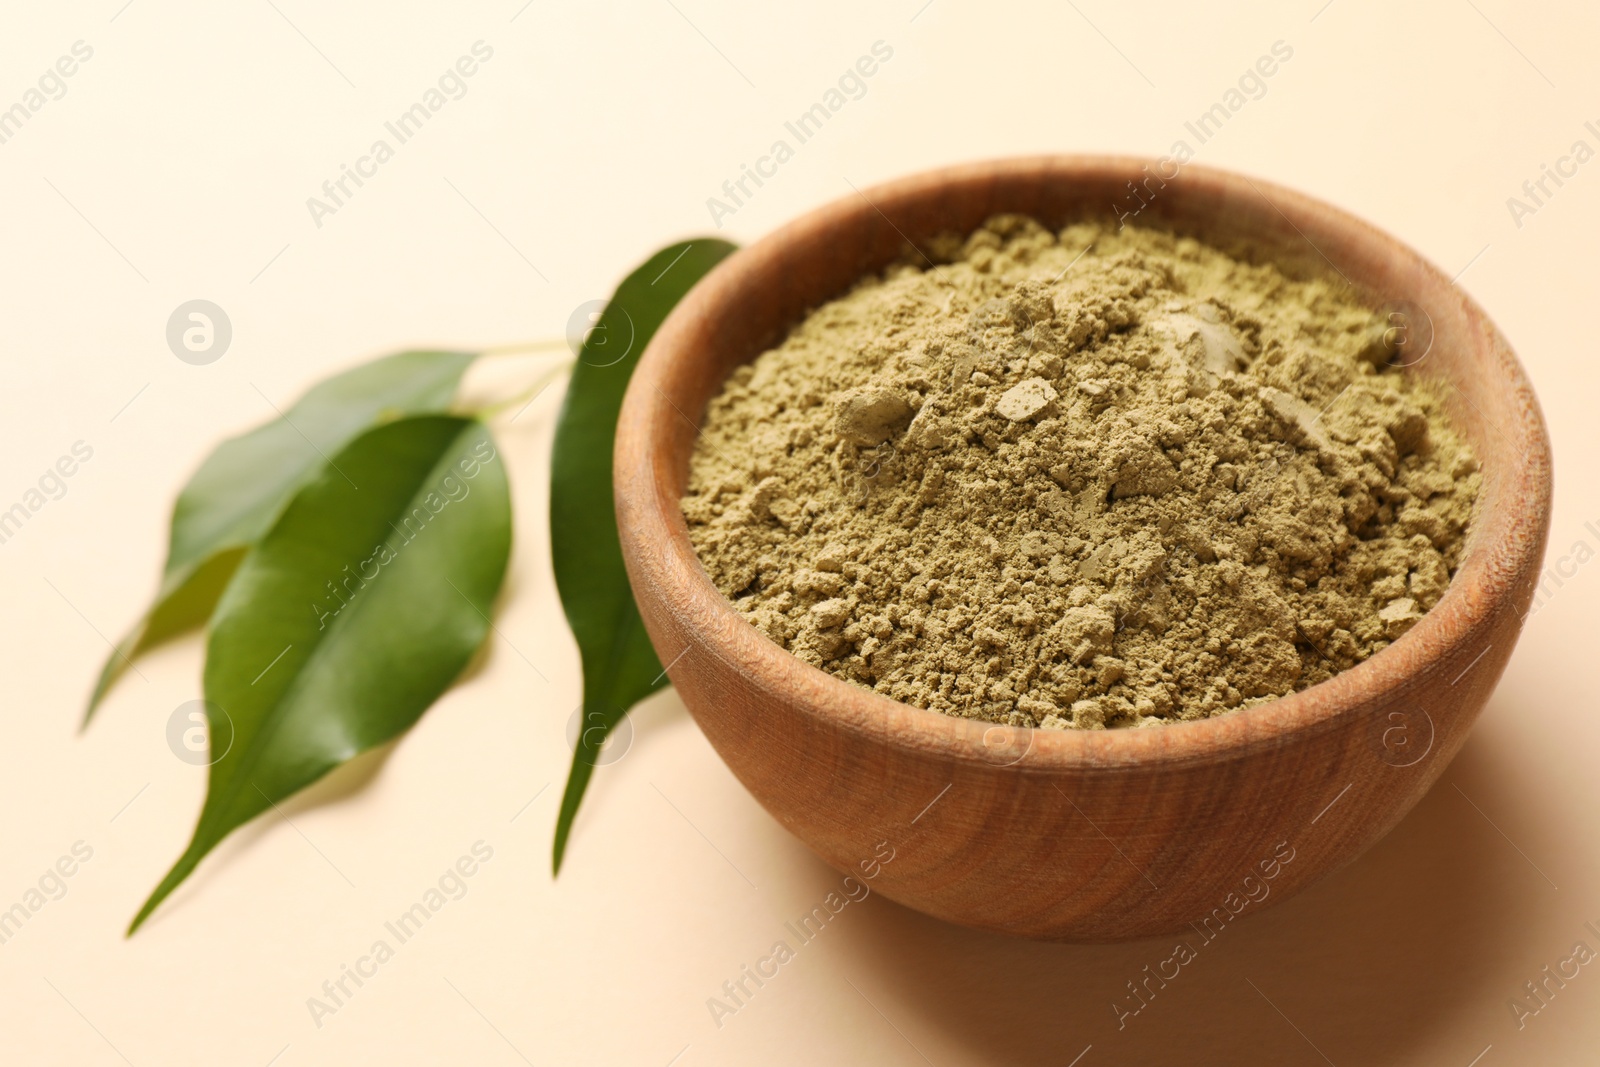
526 397
545 345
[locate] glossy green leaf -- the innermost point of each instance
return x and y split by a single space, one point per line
361 604
243 485
619 666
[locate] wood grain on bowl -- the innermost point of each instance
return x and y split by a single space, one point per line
1081 835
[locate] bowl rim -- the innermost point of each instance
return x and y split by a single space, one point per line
1504 550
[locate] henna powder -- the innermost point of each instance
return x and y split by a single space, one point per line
1088 479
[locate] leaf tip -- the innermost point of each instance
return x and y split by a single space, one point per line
102 685
175 877
138 920
92 706
558 848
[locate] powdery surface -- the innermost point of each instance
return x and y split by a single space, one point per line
1151 484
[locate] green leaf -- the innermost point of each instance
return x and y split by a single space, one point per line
243 485
619 666
361 604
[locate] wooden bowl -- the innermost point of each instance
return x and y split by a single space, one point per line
1069 835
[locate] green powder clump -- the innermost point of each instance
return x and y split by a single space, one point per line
1081 480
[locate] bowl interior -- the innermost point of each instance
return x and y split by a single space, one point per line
750 302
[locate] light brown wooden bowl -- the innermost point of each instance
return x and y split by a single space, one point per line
1086 836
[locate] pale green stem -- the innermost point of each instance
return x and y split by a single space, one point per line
521 347
524 398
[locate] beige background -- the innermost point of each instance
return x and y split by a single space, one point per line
177 166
